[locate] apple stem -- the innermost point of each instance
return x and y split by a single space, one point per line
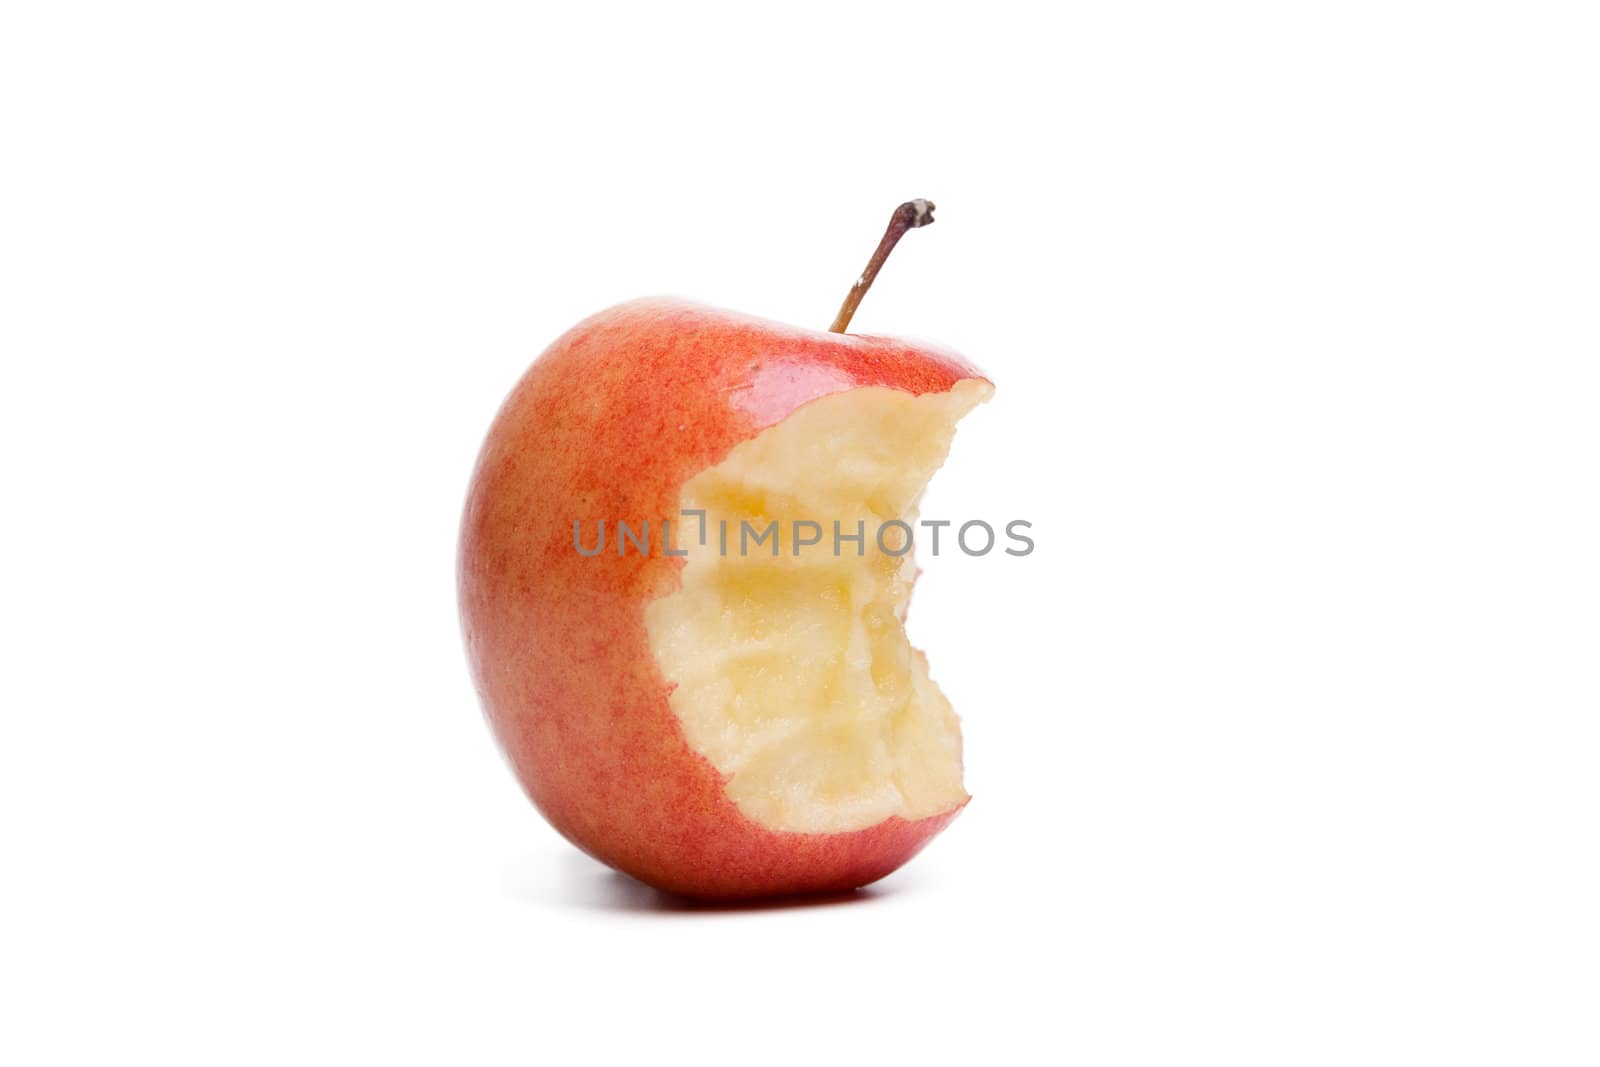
908 216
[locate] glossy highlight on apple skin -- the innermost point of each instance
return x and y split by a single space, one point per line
613 419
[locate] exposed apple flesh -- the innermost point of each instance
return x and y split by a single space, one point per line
792 672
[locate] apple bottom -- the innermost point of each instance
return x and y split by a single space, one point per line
738 860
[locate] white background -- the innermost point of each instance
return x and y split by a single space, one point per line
1283 743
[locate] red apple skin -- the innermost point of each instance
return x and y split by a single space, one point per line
608 424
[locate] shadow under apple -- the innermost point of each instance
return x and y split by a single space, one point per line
574 880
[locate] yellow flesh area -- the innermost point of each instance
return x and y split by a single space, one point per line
793 674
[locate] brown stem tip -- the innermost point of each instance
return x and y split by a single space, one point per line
908 216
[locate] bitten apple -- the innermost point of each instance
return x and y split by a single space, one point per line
721 723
